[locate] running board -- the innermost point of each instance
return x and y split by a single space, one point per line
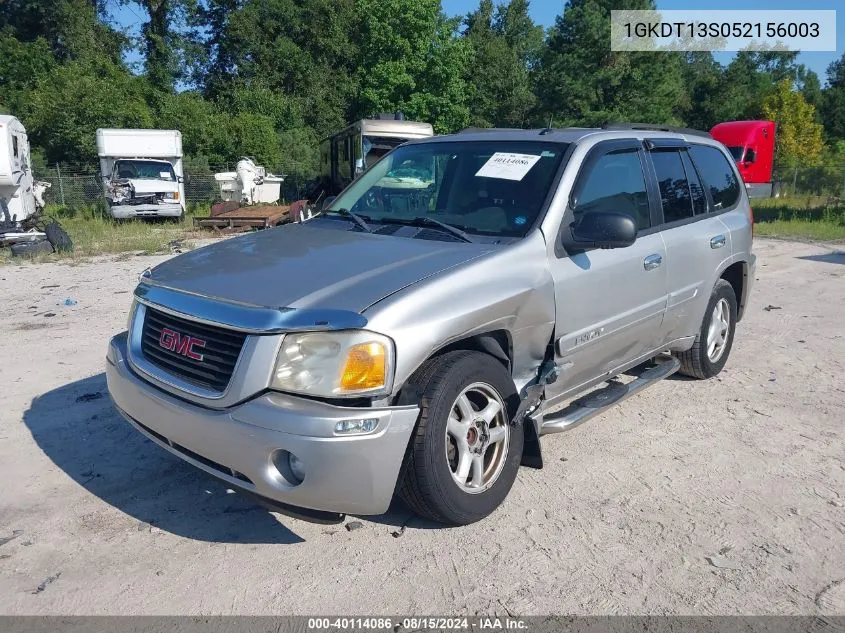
598 401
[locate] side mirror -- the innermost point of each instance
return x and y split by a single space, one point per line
750 157
180 179
604 229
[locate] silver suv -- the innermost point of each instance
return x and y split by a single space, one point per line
465 296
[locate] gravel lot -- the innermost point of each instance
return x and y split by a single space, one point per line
717 497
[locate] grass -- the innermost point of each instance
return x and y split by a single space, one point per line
95 233
811 218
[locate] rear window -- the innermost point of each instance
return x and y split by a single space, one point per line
718 175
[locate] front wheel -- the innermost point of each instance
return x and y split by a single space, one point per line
464 454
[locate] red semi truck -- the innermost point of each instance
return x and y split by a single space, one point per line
752 144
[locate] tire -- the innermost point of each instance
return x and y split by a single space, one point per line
698 361
427 483
31 249
58 237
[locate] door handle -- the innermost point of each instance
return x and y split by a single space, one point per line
652 261
717 242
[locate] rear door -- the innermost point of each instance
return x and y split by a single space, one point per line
697 241
609 303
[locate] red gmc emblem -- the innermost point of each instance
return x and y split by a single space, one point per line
181 343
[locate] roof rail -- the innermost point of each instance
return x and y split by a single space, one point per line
654 127
475 130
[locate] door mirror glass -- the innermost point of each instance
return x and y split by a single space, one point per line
604 229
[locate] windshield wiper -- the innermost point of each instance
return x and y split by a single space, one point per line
352 216
428 221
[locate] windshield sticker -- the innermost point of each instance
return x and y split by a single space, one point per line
507 166
164 174
520 220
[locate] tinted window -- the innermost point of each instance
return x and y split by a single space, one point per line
699 199
718 175
674 188
615 182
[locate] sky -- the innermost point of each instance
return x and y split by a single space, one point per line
543 12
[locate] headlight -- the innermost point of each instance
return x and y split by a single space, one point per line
171 195
335 364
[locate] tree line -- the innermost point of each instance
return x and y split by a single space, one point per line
269 78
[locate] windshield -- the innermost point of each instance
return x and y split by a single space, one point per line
484 187
736 152
144 170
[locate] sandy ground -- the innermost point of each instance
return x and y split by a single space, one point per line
716 497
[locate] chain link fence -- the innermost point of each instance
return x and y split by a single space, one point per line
81 184
72 186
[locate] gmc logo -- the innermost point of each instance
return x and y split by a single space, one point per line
181 343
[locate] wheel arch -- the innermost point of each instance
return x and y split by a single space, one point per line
498 344
736 275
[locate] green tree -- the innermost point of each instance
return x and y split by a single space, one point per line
505 44
411 60
72 28
582 82
799 137
441 96
303 49
833 101
22 64
703 78
63 111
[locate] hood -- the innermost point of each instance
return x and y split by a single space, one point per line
151 186
300 266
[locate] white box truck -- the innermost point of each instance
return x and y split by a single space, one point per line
142 172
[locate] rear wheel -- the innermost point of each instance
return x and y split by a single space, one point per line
464 455
713 343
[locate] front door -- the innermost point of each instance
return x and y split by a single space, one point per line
609 303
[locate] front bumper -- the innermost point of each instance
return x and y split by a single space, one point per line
164 210
353 474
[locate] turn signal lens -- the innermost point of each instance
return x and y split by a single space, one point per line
365 367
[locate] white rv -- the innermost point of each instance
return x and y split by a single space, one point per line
142 172
17 185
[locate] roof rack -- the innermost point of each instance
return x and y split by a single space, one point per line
654 127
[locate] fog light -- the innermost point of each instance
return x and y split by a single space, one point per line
288 466
296 467
356 426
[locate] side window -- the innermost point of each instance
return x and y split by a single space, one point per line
699 199
14 146
615 182
674 188
718 175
